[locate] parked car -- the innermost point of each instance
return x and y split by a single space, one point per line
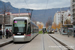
55 31
51 32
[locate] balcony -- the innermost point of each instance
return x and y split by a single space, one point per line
74 12
73 22
73 2
73 7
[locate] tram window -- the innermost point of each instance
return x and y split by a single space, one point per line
63 30
29 29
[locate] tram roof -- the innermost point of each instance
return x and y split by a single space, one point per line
34 24
21 18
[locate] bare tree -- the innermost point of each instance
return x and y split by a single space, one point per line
49 22
5 8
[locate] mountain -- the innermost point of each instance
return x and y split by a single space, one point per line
44 15
38 15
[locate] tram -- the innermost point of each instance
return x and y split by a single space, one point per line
23 29
44 29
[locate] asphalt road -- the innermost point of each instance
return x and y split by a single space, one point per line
40 42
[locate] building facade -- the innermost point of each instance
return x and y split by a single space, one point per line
8 19
57 18
62 17
73 11
40 24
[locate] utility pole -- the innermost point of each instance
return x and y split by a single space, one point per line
62 20
19 12
4 18
31 12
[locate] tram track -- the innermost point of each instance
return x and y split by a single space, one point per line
21 47
48 41
56 43
43 42
12 46
15 46
61 43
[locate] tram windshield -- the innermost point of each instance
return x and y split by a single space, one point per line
19 26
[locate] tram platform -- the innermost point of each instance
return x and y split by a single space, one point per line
64 39
5 41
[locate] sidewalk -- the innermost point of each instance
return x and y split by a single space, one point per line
5 41
69 41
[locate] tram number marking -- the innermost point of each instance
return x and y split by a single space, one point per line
18 33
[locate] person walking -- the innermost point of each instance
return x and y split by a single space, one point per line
68 33
7 33
0 33
43 31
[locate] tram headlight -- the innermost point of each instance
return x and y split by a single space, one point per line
13 34
24 34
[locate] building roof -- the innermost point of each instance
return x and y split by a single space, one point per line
9 13
21 14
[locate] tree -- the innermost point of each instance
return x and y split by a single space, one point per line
40 26
54 26
49 22
5 8
59 25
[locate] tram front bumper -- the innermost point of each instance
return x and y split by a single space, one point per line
18 38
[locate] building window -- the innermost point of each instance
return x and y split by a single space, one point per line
73 6
74 15
73 11
73 0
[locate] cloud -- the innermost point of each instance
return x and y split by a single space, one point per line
39 4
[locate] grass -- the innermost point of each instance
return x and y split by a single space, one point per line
40 32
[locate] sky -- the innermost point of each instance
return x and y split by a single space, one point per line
39 4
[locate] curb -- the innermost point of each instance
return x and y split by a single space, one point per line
64 44
5 43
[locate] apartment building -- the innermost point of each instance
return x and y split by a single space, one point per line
62 16
73 11
9 17
58 17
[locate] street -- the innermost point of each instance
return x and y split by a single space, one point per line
37 25
40 42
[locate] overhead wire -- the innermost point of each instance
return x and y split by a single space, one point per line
7 0
28 9
26 3
46 8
